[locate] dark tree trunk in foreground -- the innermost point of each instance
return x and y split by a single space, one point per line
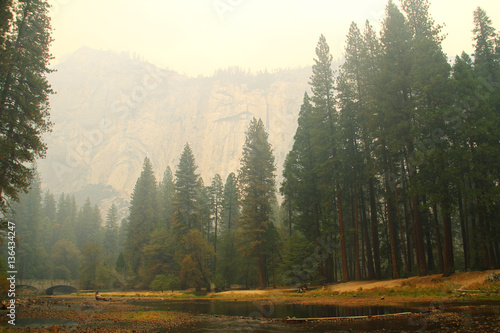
374 229
449 263
345 274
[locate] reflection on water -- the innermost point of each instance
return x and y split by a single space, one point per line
43 322
269 309
236 315
232 316
214 324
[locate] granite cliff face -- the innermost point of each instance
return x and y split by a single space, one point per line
111 111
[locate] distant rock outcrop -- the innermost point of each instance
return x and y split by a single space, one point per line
110 111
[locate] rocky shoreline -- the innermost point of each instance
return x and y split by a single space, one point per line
85 314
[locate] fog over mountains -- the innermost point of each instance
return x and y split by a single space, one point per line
112 110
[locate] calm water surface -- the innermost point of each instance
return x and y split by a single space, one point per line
236 316
269 309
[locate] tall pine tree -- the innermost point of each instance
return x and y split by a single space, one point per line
143 217
186 211
258 193
24 92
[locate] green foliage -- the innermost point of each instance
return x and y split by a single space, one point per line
408 147
47 243
91 261
167 192
158 253
66 256
230 210
159 283
394 158
120 265
312 164
257 188
87 225
25 38
110 240
28 218
204 207
486 62
65 219
173 282
190 275
143 217
220 282
216 198
301 182
186 209
165 282
197 265
62 272
298 265
230 263
104 276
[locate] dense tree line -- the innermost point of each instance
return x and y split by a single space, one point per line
395 158
25 37
179 233
393 172
59 240
182 233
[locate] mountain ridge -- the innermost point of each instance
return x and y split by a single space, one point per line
111 111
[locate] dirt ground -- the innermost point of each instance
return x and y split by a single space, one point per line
357 293
461 280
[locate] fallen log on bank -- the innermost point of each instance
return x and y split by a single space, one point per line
350 317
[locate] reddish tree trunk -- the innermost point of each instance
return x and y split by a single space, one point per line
401 234
390 219
345 275
438 240
419 239
368 248
374 229
392 234
261 271
356 235
486 258
464 230
449 264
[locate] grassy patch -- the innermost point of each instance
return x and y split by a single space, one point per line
489 286
152 316
143 316
410 289
435 286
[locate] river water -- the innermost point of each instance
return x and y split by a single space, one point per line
260 316
269 309
220 315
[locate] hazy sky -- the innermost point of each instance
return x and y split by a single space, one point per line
199 36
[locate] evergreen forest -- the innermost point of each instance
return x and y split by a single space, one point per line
394 172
